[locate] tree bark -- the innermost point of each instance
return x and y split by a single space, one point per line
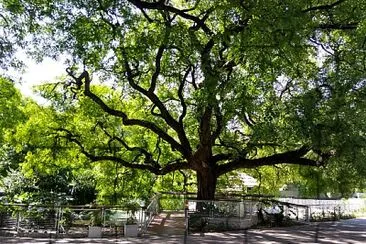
206 183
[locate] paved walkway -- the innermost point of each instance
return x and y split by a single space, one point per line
167 224
347 231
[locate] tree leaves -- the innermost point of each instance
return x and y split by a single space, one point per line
206 86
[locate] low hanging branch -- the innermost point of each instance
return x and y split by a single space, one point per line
289 157
153 168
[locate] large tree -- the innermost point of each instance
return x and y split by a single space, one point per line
208 86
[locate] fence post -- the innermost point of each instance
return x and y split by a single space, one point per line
246 235
18 224
307 214
316 233
57 220
186 221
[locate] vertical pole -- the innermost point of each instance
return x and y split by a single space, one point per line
316 233
103 215
18 221
57 220
307 213
186 221
246 235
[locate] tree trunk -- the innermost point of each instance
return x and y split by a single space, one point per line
206 183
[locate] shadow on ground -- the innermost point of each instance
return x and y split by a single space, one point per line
348 231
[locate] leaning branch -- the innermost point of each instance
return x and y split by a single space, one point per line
290 157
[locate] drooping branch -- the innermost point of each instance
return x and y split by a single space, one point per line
127 121
148 155
174 166
289 157
153 168
193 77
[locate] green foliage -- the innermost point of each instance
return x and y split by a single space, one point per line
96 218
204 85
10 107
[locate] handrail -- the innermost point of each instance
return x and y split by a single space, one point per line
150 212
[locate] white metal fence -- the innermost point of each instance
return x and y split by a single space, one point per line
73 221
220 215
320 209
231 214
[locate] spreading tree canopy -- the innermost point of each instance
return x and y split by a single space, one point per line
208 86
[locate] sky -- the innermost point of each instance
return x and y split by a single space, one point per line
35 74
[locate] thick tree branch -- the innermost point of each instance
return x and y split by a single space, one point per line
174 166
160 5
206 116
148 155
219 124
205 127
175 125
339 26
230 146
193 77
248 120
323 7
181 97
221 157
155 75
126 121
158 58
153 168
205 57
290 157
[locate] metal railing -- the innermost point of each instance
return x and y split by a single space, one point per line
220 215
278 213
329 209
149 213
68 220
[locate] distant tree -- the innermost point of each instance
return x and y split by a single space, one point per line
207 86
11 115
